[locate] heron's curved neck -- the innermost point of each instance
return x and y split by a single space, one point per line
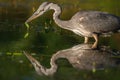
53 68
61 23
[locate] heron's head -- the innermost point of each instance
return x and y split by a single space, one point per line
45 6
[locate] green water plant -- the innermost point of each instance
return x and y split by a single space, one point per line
27 33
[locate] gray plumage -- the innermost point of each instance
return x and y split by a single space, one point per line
83 23
96 22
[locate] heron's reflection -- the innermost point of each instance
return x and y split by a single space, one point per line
81 57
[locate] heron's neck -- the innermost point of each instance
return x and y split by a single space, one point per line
53 68
61 23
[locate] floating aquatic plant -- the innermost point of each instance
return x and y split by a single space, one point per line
27 25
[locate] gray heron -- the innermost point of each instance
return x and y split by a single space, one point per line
83 23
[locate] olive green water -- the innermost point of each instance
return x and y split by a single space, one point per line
46 38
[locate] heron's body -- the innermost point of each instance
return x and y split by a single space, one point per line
83 23
86 23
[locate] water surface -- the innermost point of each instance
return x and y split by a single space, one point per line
46 38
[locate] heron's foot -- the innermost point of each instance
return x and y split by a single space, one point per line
95 45
86 40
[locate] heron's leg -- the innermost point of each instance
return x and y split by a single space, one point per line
86 40
95 36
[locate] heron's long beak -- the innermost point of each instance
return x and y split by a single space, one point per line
34 16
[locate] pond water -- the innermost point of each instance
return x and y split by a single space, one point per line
46 39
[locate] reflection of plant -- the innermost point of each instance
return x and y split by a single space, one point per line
48 26
27 33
